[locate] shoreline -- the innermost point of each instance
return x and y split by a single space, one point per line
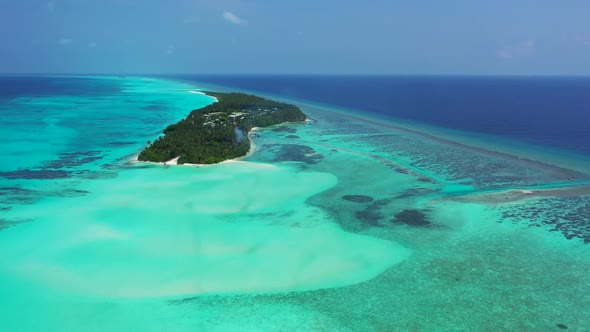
202 93
174 161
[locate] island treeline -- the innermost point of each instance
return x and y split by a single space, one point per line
218 132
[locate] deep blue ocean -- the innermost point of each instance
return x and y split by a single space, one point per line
546 111
35 86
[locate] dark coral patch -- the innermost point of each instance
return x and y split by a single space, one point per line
18 195
358 198
14 191
121 143
285 129
155 107
73 159
292 136
9 223
426 180
369 216
414 218
72 193
401 170
568 215
372 214
294 152
28 174
96 175
415 192
82 153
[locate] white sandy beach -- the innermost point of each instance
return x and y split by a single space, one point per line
202 93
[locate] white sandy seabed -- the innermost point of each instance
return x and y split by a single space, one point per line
182 231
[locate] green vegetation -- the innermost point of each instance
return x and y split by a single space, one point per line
218 132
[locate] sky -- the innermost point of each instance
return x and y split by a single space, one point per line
457 37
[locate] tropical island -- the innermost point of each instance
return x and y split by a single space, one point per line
218 131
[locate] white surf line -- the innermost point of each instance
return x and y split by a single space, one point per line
202 93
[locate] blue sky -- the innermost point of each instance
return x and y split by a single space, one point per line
516 37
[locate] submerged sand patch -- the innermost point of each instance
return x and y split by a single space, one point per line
235 228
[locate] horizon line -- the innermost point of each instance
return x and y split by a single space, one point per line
302 75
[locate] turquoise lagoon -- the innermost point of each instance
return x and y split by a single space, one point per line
345 223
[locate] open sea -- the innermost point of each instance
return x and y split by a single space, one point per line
404 204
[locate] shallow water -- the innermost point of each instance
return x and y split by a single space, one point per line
341 224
